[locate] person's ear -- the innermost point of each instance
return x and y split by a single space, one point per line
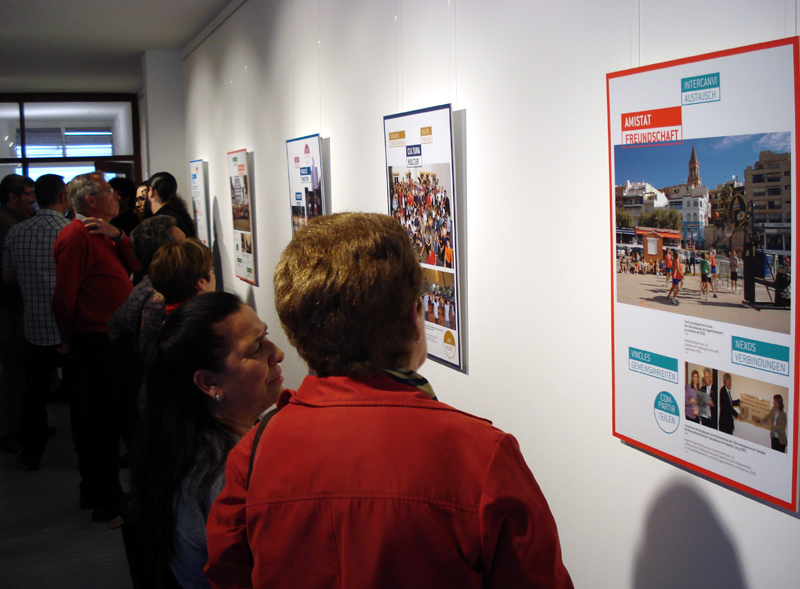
204 380
203 284
416 318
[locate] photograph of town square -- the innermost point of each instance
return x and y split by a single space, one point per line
703 228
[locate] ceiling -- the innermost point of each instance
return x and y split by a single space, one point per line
92 45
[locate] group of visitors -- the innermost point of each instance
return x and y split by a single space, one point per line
68 267
359 478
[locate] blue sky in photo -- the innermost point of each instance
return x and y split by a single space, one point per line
720 158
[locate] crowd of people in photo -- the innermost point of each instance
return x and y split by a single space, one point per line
440 308
298 218
241 211
236 479
422 207
675 265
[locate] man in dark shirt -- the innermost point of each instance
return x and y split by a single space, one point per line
17 203
727 413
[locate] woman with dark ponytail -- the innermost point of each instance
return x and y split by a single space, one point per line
163 199
215 371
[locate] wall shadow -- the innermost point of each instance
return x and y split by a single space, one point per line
217 247
685 545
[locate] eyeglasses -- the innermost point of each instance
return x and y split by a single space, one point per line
108 191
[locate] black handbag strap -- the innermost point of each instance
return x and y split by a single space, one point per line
260 430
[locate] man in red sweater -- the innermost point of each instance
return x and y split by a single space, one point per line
93 263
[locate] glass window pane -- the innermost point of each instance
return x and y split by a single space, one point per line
78 129
67 170
44 142
6 169
9 124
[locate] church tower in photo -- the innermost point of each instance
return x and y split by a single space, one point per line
694 180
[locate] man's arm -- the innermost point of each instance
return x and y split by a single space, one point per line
9 273
125 253
70 257
122 242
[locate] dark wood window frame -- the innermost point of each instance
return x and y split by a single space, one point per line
119 163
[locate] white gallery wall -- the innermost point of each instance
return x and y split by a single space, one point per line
530 77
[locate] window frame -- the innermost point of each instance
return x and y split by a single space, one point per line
104 163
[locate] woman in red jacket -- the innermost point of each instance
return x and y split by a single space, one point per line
363 478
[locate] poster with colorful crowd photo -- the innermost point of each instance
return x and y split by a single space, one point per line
421 191
306 186
703 207
241 206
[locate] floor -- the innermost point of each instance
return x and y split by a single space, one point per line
46 540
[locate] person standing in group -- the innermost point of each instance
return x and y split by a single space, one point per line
668 261
711 391
727 413
691 408
677 278
363 478
141 199
734 262
28 261
713 277
127 219
214 372
93 264
705 269
163 199
17 203
776 420
182 270
448 254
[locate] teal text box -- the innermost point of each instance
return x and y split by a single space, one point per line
652 364
700 82
760 355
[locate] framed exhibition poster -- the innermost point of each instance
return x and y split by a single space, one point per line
420 175
306 188
241 205
703 231
197 176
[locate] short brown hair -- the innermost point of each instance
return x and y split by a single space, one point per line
177 266
343 289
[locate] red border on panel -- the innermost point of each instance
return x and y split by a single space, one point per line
793 41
